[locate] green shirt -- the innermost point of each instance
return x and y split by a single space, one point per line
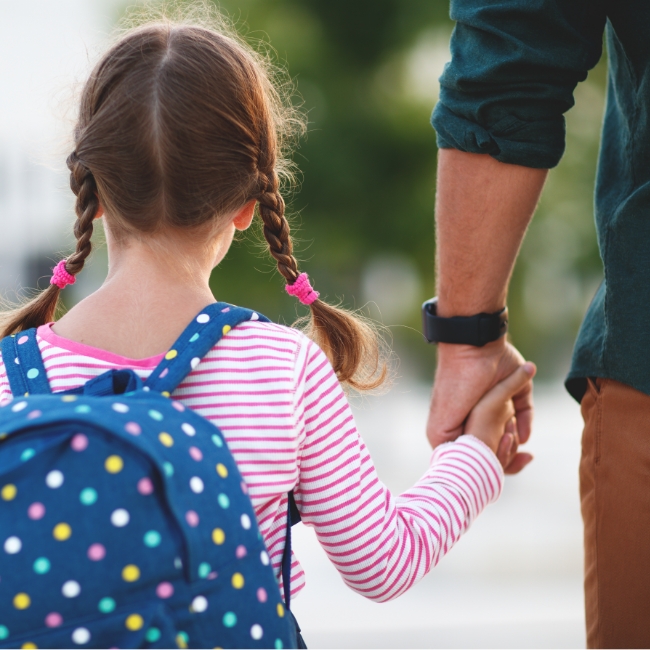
515 65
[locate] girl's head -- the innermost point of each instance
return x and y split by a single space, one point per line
179 127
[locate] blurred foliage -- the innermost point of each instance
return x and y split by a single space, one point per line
366 74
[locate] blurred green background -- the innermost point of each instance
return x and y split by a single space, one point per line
366 74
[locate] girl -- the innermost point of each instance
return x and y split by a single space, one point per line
178 141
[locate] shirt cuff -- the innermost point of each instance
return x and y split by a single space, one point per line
538 144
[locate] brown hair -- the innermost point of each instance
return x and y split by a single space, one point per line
178 125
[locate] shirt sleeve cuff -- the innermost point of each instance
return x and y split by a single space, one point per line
538 144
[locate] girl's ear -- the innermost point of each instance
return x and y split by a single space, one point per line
100 212
244 217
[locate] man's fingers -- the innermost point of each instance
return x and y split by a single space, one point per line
524 423
511 385
504 451
518 463
523 402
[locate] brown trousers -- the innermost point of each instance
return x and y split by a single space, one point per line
615 501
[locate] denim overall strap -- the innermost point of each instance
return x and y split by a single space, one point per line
24 364
206 330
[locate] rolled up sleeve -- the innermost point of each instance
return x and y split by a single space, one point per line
514 67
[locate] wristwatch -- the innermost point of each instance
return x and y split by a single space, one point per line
471 330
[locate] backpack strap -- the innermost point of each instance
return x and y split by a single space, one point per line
24 364
199 337
293 517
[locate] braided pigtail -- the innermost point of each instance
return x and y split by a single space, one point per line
82 183
42 308
350 342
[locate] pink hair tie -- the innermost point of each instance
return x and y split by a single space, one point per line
302 290
61 277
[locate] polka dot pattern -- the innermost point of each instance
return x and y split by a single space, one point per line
130 573
106 605
196 485
181 639
199 604
8 492
192 518
218 536
80 636
166 439
188 429
88 496
114 464
134 622
13 545
62 532
71 589
145 486
123 516
152 538
120 517
96 552
153 635
22 601
53 619
54 479
79 442
36 511
133 428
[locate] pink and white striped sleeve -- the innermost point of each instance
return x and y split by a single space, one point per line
5 390
380 544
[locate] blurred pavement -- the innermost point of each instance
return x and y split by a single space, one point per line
513 581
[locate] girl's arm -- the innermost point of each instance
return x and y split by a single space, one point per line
380 544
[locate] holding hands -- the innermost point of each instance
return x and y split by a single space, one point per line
486 392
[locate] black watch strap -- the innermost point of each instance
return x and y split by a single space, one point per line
470 330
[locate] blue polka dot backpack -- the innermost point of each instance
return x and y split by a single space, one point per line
124 521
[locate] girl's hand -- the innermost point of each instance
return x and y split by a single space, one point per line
493 421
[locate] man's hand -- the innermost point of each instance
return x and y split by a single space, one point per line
492 420
464 374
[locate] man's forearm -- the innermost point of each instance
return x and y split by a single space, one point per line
483 208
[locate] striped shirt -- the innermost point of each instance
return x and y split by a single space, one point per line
286 419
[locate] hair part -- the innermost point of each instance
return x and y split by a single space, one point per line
179 125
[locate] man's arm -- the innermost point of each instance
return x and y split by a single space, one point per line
500 126
483 208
